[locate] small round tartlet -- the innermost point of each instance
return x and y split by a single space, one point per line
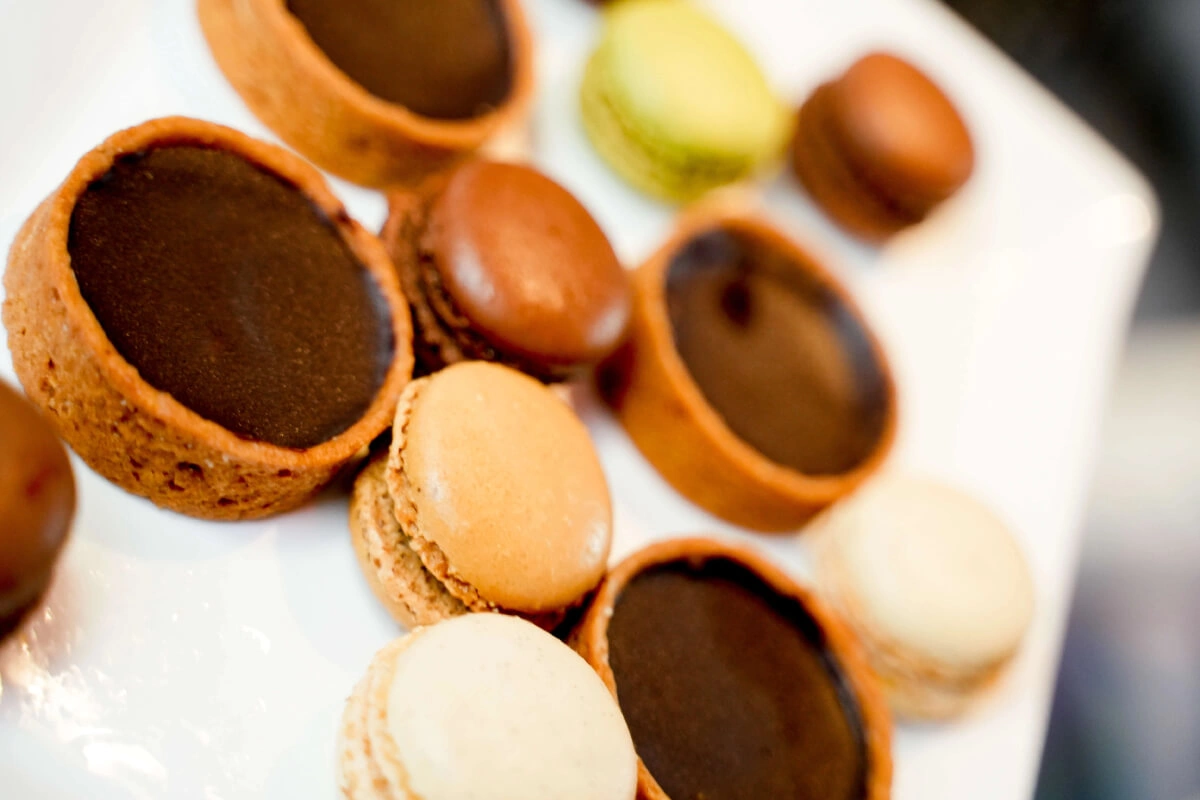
750 379
734 680
675 104
501 263
379 94
202 322
483 706
933 584
491 498
881 147
37 504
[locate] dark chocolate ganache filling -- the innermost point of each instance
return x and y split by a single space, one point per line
781 358
729 691
445 59
226 288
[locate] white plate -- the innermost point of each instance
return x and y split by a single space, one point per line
184 659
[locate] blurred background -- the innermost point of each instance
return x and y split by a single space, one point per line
1126 716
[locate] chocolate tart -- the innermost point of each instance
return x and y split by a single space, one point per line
735 681
203 323
750 379
342 82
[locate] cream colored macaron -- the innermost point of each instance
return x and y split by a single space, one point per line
484 707
934 585
492 498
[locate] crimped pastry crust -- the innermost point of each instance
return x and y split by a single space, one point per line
590 640
293 87
668 418
140 438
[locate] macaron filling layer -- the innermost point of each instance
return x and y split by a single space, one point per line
225 287
729 689
449 59
778 355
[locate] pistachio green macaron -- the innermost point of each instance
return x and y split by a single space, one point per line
674 103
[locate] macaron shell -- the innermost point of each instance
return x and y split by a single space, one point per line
488 707
360 775
932 571
820 166
527 264
899 127
506 482
682 76
655 167
393 569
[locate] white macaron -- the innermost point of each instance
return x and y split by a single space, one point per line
484 707
932 582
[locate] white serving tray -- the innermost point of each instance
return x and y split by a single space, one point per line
181 659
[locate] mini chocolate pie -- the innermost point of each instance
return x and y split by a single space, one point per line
881 147
500 263
750 379
203 323
379 92
736 683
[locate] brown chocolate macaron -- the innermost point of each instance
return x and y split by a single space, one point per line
500 263
37 504
750 379
380 92
203 323
881 147
492 498
737 684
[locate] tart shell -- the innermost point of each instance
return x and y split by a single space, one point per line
671 422
590 640
136 436
294 88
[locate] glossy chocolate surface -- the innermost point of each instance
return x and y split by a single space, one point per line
445 59
527 265
728 690
37 502
226 288
777 354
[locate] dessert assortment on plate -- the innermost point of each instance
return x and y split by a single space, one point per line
198 317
